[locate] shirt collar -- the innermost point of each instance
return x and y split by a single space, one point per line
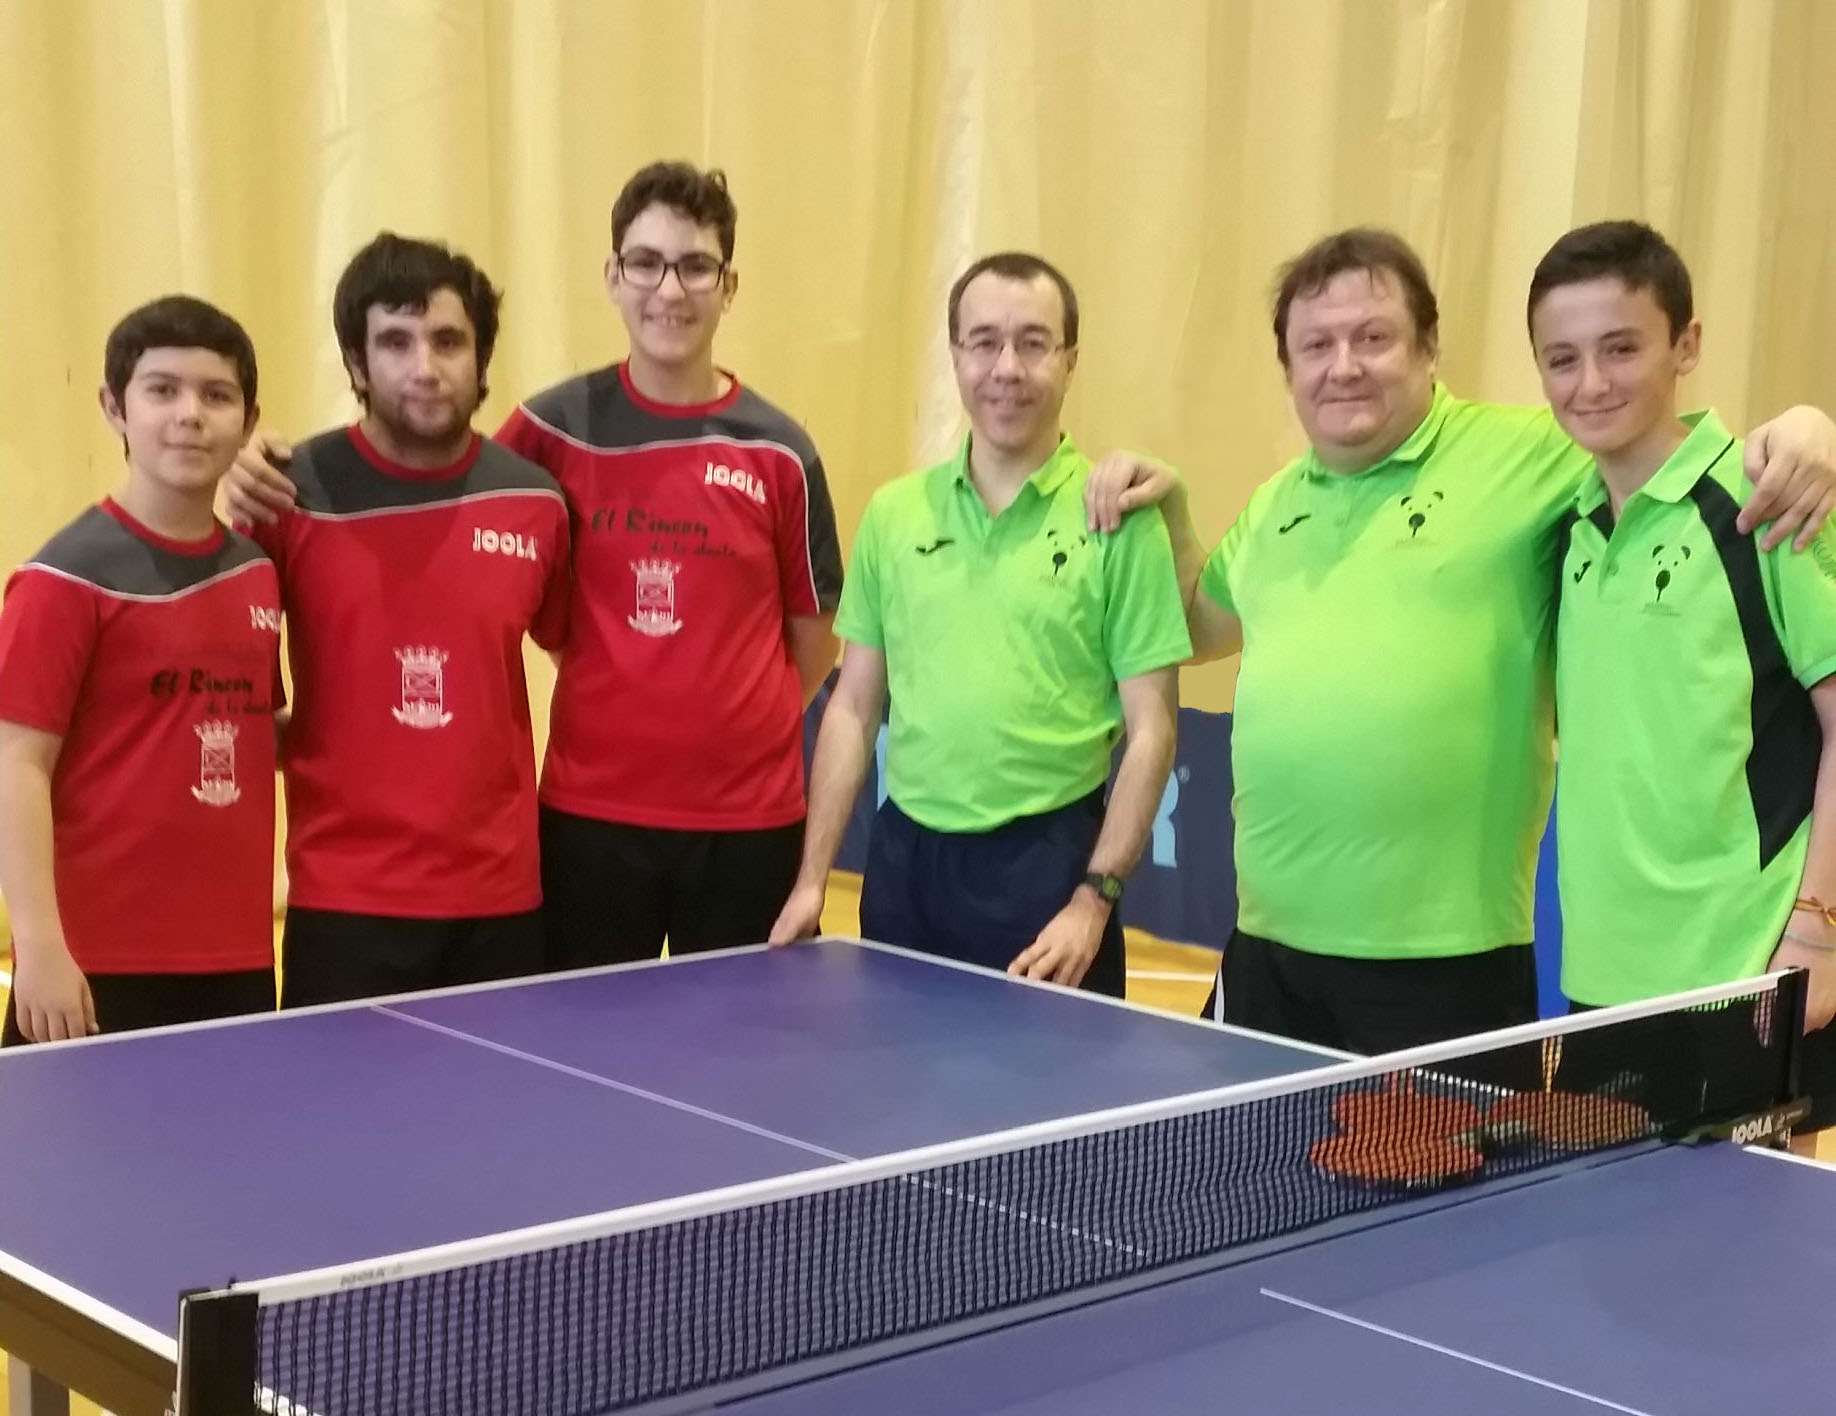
1708 440
1412 450
1045 480
1592 494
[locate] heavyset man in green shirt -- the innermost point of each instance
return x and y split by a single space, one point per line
1015 643
1391 592
1695 673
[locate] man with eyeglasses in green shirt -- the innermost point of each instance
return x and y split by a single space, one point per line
1015 645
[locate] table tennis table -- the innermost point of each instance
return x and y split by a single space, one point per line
1648 1278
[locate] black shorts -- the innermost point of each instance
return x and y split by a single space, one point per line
1684 1064
126 1002
1368 1006
329 956
983 896
613 892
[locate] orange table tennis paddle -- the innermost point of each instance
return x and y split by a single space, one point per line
1401 1136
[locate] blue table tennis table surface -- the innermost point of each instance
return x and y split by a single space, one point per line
1669 1280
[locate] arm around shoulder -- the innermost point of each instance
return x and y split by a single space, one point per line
1791 461
1216 632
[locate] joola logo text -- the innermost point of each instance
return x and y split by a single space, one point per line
1767 1126
1747 1132
737 478
504 543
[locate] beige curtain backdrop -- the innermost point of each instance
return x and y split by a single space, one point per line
1167 153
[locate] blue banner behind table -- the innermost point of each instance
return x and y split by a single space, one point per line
1185 887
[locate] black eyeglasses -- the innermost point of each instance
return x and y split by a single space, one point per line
697 272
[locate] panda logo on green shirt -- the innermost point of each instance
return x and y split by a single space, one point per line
1416 507
1061 550
1666 562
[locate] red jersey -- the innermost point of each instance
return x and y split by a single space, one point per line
698 532
409 759
158 664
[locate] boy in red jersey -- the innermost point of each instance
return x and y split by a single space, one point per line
709 571
416 557
139 677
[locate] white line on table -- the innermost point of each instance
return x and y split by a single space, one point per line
1448 1352
614 1084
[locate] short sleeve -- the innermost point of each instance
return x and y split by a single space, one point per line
527 438
1803 589
858 619
272 537
1214 575
48 628
809 551
549 628
277 680
1144 618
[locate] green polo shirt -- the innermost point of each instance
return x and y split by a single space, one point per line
1004 637
1392 739
1689 743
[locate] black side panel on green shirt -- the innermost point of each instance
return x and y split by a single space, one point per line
1601 516
1787 739
1564 538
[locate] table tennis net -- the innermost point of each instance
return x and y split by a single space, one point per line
742 1289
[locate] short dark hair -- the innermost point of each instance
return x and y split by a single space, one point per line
1018 265
684 188
1365 248
177 322
1629 251
400 273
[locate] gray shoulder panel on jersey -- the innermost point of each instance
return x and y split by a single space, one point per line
500 470
330 475
98 550
567 407
333 478
594 410
239 549
753 417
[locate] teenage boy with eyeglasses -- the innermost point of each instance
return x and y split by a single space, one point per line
707 572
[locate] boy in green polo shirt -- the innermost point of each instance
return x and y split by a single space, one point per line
1695 673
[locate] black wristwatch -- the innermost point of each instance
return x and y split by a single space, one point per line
1108 887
